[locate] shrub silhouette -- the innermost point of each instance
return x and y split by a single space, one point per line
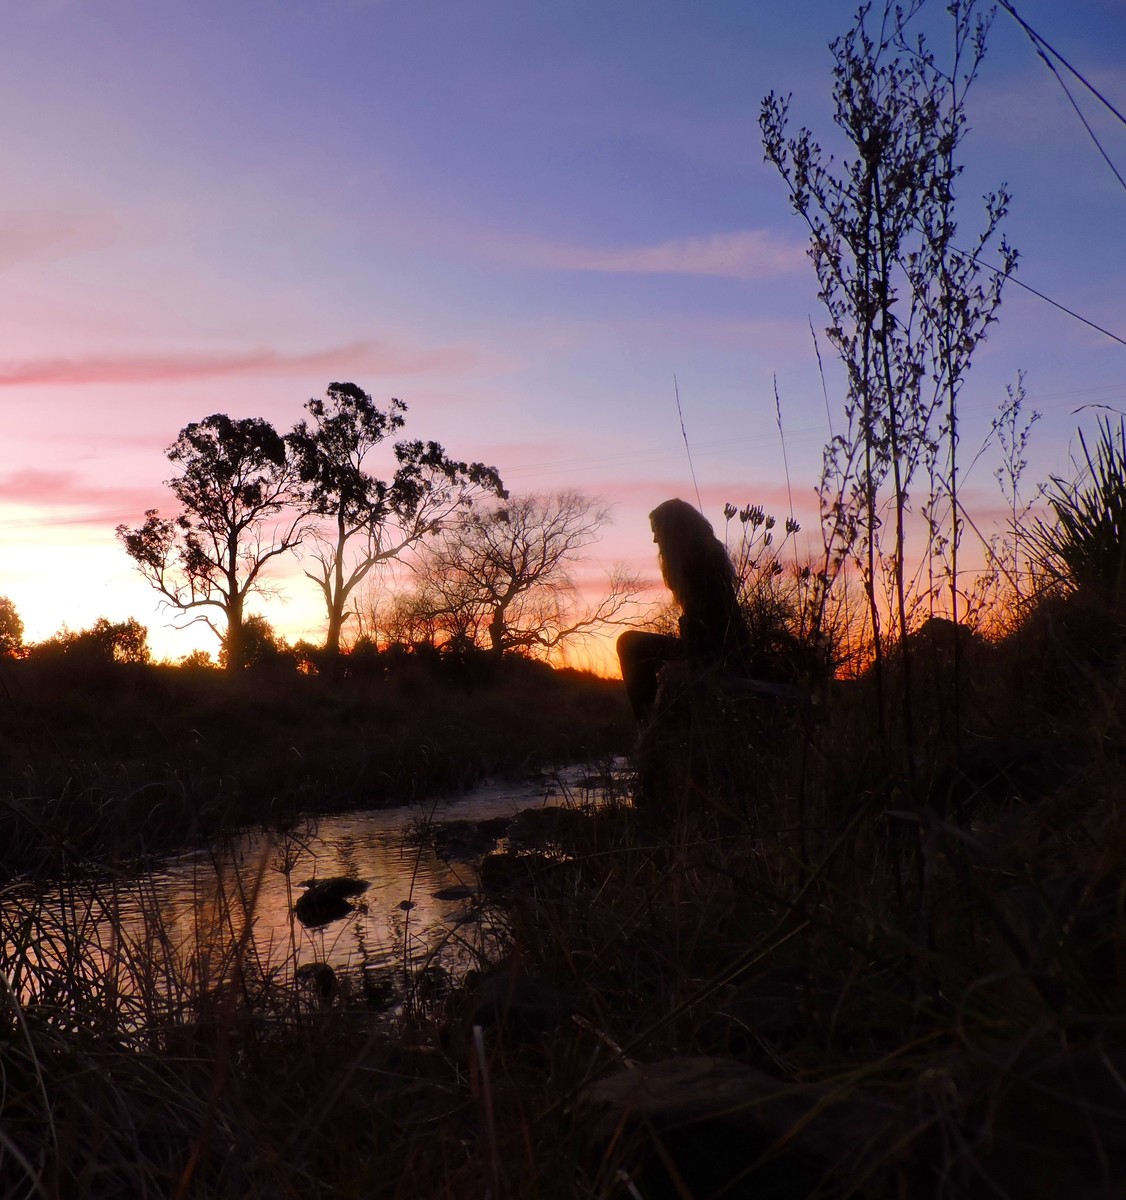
1083 548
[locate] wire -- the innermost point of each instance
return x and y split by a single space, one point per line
1010 278
687 448
1038 41
1042 49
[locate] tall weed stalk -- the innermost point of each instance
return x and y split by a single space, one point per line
906 304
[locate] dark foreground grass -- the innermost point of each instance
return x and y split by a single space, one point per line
828 972
114 761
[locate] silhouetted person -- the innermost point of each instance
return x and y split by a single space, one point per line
713 632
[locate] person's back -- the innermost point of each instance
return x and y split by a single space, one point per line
696 569
712 625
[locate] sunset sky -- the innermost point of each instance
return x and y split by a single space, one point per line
522 219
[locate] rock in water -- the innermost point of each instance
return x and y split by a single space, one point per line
324 899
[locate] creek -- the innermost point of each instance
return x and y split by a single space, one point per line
178 927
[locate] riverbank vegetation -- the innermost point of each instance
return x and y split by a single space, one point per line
109 760
805 973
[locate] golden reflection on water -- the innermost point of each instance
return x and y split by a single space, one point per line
195 921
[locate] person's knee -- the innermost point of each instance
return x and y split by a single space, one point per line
642 655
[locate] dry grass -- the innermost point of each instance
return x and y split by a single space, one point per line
926 970
124 760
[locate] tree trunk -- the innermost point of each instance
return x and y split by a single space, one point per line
335 628
496 632
234 644
337 593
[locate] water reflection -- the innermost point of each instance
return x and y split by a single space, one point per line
189 923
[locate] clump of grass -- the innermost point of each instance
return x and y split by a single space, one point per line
1084 547
149 1057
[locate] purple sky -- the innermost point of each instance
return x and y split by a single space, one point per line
521 219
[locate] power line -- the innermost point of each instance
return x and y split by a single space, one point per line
1038 41
687 448
1043 49
1010 278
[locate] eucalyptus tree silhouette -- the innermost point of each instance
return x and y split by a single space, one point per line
353 510
237 487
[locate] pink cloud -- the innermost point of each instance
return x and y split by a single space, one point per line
159 368
748 254
55 490
536 452
30 236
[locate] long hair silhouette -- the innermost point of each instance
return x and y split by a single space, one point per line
698 572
